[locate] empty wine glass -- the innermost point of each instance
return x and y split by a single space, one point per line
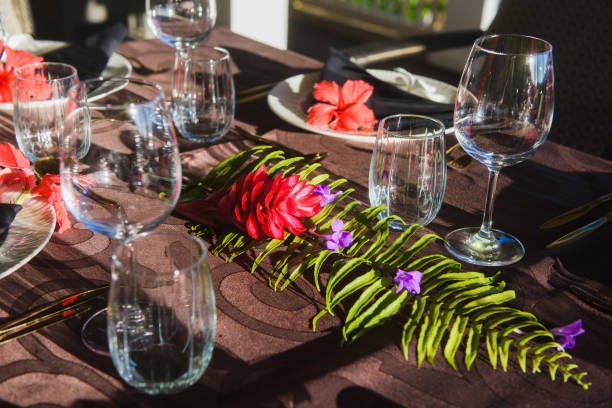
181 24
503 113
119 164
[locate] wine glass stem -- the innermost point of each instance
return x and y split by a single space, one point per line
487 220
180 57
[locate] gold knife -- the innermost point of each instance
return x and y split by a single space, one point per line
576 212
580 232
58 306
41 322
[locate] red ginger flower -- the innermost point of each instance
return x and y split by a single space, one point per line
345 109
260 205
14 59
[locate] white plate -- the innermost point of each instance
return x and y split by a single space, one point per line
28 234
290 99
117 66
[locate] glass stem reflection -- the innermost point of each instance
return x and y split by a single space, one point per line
484 234
180 57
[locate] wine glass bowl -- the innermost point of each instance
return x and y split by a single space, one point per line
503 113
127 178
181 24
119 165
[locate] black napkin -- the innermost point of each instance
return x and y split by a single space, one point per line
90 55
7 215
386 98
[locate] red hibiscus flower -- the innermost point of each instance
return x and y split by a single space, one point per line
18 173
14 59
260 205
345 108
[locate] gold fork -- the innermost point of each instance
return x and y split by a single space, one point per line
576 212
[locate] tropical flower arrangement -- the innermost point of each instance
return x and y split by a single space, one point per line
18 176
14 59
262 203
342 108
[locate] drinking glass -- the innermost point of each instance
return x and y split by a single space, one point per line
408 168
3 40
181 24
39 105
161 311
204 106
119 164
503 113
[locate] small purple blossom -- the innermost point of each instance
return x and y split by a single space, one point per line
326 195
567 333
411 281
339 239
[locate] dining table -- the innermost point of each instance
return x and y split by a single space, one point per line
266 353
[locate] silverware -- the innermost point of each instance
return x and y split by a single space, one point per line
49 314
460 162
591 299
576 212
43 322
580 232
256 88
254 93
308 158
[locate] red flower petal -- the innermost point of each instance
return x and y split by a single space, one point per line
327 91
10 156
354 118
354 92
320 114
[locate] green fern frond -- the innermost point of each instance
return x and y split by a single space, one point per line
455 310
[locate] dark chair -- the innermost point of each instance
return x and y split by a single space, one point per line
580 33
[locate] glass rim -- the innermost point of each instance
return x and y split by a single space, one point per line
73 71
440 129
225 54
93 103
200 244
478 43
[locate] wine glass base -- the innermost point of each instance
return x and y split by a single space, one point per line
466 245
93 333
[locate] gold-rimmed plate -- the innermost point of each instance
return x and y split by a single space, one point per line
28 234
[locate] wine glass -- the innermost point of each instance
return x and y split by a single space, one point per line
181 24
503 113
119 164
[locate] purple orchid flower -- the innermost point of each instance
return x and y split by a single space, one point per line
410 281
326 195
339 239
567 333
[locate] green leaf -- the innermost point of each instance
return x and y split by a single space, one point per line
494 299
397 244
340 269
435 337
471 349
418 306
491 340
454 339
427 331
352 287
390 304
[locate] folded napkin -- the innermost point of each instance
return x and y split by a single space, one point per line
7 215
90 55
387 99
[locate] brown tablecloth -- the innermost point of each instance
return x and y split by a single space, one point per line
265 351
